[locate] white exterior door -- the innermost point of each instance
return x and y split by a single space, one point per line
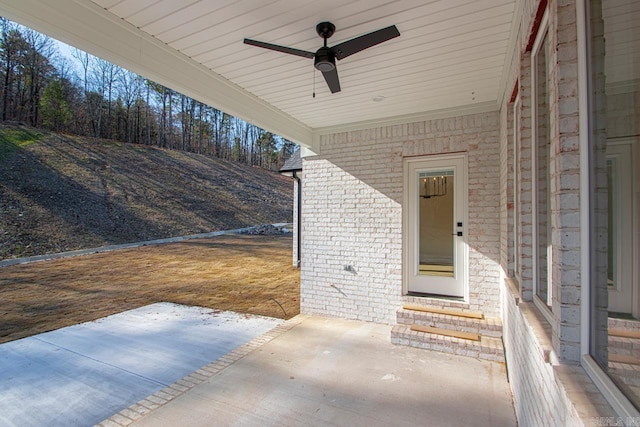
435 221
621 261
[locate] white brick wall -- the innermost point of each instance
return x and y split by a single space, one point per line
295 219
352 215
347 223
545 393
548 385
565 182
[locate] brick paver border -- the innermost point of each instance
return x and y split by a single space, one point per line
167 394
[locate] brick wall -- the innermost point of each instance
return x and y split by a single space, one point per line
351 247
565 181
564 170
530 375
353 208
549 386
545 393
352 215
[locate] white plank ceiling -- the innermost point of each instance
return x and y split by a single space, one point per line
450 54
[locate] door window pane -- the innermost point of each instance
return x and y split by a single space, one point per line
436 243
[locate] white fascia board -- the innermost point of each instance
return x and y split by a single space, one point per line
88 27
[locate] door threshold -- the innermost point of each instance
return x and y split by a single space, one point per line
435 296
622 316
436 300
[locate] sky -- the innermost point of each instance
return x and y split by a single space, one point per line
66 51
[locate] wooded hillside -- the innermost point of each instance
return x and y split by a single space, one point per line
60 193
88 96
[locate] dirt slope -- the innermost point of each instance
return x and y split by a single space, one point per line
60 193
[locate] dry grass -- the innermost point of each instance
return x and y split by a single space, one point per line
246 274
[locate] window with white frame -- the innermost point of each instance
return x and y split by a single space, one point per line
516 226
513 191
541 171
614 201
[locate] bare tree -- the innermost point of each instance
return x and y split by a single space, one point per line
163 96
85 61
105 77
105 100
65 70
12 45
38 70
130 89
170 94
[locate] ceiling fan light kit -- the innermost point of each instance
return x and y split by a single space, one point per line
324 59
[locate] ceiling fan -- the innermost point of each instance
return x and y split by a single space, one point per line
325 58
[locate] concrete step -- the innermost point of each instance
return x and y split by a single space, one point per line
624 324
444 310
487 348
487 326
627 373
449 327
624 346
437 302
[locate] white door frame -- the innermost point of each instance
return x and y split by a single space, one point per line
412 166
620 296
627 298
635 189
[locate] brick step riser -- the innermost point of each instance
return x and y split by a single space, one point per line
454 327
434 302
478 352
624 324
448 345
626 346
628 377
455 323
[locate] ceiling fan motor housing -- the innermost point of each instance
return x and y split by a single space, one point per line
324 60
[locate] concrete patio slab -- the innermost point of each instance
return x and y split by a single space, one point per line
82 374
345 373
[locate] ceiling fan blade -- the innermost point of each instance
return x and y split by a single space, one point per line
344 49
331 77
278 48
